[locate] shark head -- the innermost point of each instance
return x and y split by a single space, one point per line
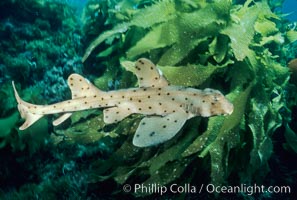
218 104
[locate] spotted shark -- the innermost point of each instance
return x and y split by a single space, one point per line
165 107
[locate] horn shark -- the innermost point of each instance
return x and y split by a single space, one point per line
165 108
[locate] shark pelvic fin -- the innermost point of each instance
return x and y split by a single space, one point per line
61 119
115 114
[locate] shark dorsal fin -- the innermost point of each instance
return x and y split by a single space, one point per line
81 87
147 73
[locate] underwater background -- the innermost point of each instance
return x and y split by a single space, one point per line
245 49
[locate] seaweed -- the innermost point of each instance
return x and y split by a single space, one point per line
208 44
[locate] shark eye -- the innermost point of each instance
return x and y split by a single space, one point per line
216 98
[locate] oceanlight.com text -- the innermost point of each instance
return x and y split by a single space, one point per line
209 188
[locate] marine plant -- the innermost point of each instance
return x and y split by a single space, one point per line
215 44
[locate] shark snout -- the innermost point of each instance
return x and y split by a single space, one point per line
228 107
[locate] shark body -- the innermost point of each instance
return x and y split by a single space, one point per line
166 108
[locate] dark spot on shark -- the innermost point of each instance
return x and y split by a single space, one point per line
152 133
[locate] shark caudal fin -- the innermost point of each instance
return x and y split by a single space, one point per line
24 109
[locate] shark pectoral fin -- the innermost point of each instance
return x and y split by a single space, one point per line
81 87
155 130
61 119
115 114
147 73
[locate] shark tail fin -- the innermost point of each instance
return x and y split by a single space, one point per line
23 107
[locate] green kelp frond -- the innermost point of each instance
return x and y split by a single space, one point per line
7 123
163 18
11 136
183 33
205 44
159 12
